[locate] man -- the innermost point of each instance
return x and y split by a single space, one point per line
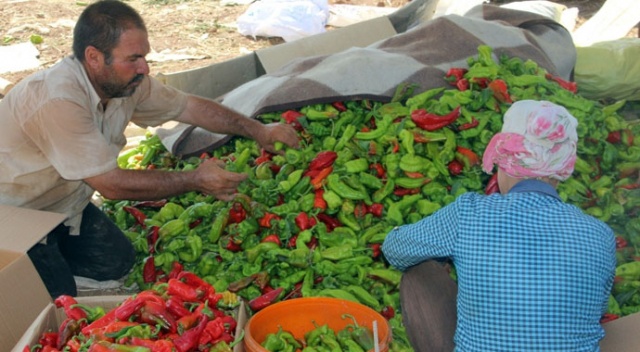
534 273
63 129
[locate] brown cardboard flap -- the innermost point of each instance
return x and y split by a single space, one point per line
621 335
21 228
22 296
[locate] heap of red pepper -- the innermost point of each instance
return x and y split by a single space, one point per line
179 315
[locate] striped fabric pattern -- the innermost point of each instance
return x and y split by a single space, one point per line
534 273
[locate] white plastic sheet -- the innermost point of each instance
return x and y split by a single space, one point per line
288 19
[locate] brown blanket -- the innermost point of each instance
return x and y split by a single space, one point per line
421 56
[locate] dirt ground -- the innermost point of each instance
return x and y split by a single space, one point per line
204 29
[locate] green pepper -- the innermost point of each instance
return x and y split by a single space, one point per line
356 165
168 212
370 181
334 201
172 228
629 271
382 127
338 293
396 209
343 190
292 179
218 225
348 133
385 191
363 296
388 275
426 207
349 220
338 252
413 163
285 208
194 246
263 247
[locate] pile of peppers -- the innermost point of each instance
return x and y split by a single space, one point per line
183 314
352 338
310 221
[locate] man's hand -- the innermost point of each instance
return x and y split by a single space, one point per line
214 180
277 132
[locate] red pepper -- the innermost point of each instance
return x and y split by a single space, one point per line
318 181
323 160
49 349
360 210
183 291
193 280
233 246
49 338
482 82
189 339
291 116
500 92
455 167
237 213
128 308
264 157
614 137
469 157
431 122
188 321
455 74
66 302
621 242
318 201
265 220
396 146
175 305
149 271
465 126
67 329
151 203
375 247
607 317
414 174
388 312
462 84
176 269
265 300
137 214
570 86
376 209
155 313
492 185
328 220
212 331
339 106
272 238
303 221
379 169
152 238
400 191
100 323
159 345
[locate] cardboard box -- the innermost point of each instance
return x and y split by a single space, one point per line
22 293
50 318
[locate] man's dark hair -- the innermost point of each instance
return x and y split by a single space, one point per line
101 24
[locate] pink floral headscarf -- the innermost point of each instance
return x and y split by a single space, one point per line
538 139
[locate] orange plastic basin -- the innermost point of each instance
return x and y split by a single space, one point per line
297 316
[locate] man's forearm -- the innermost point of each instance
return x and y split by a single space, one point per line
143 184
218 118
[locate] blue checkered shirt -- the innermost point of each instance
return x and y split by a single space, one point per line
534 273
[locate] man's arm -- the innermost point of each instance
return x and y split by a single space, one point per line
209 178
218 118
